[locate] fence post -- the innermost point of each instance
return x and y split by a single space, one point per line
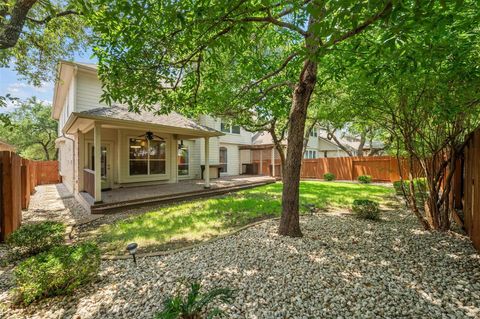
11 213
25 184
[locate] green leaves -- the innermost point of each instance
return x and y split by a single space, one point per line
194 304
53 30
31 130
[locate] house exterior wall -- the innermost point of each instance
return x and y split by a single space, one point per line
88 92
67 162
231 141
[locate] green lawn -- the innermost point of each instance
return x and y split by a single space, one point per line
182 224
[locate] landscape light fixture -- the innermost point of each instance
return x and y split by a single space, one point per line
132 249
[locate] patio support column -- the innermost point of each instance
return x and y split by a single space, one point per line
174 160
206 172
80 160
97 143
261 162
273 161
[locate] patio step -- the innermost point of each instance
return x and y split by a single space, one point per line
109 208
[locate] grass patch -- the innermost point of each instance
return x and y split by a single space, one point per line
178 225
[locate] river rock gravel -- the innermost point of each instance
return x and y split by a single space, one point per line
342 268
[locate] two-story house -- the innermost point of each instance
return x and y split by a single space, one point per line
106 147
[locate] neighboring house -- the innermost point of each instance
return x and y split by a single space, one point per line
134 148
318 145
4 146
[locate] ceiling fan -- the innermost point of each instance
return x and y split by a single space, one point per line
150 136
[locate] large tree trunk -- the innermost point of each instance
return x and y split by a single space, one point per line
361 146
290 220
11 28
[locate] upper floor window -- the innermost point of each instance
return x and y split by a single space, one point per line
229 128
313 133
310 154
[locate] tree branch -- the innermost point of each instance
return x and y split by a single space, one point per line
272 20
10 32
386 9
57 15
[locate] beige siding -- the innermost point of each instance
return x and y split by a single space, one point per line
68 107
244 138
195 160
66 163
89 92
233 159
213 153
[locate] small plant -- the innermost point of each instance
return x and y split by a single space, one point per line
329 176
56 272
420 185
366 209
34 238
397 185
193 306
365 179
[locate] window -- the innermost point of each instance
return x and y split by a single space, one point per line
103 160
229 128
183 160
147 157
223 160
310 154
225 127
313 133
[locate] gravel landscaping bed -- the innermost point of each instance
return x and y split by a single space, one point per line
342 267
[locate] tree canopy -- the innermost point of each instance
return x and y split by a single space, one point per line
227 57
35 34
423 88
32 130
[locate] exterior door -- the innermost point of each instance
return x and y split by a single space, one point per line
105 163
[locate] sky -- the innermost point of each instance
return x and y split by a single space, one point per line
11 83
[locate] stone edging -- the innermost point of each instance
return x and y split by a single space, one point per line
173 251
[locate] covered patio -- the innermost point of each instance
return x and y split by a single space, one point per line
128 197
116 149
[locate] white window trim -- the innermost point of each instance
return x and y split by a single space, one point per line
148 165
189 150
231 125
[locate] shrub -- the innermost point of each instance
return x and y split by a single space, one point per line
420 185
329 176
397 185
193 305
365 179
366 209
34 238
57 271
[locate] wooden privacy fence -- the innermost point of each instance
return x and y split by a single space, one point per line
381 168
466 188
18 178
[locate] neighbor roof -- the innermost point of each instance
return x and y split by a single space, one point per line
121 113
4 146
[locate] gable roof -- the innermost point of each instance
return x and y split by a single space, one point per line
351 142
121 114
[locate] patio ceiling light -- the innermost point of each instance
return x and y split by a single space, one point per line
132 249
151 136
